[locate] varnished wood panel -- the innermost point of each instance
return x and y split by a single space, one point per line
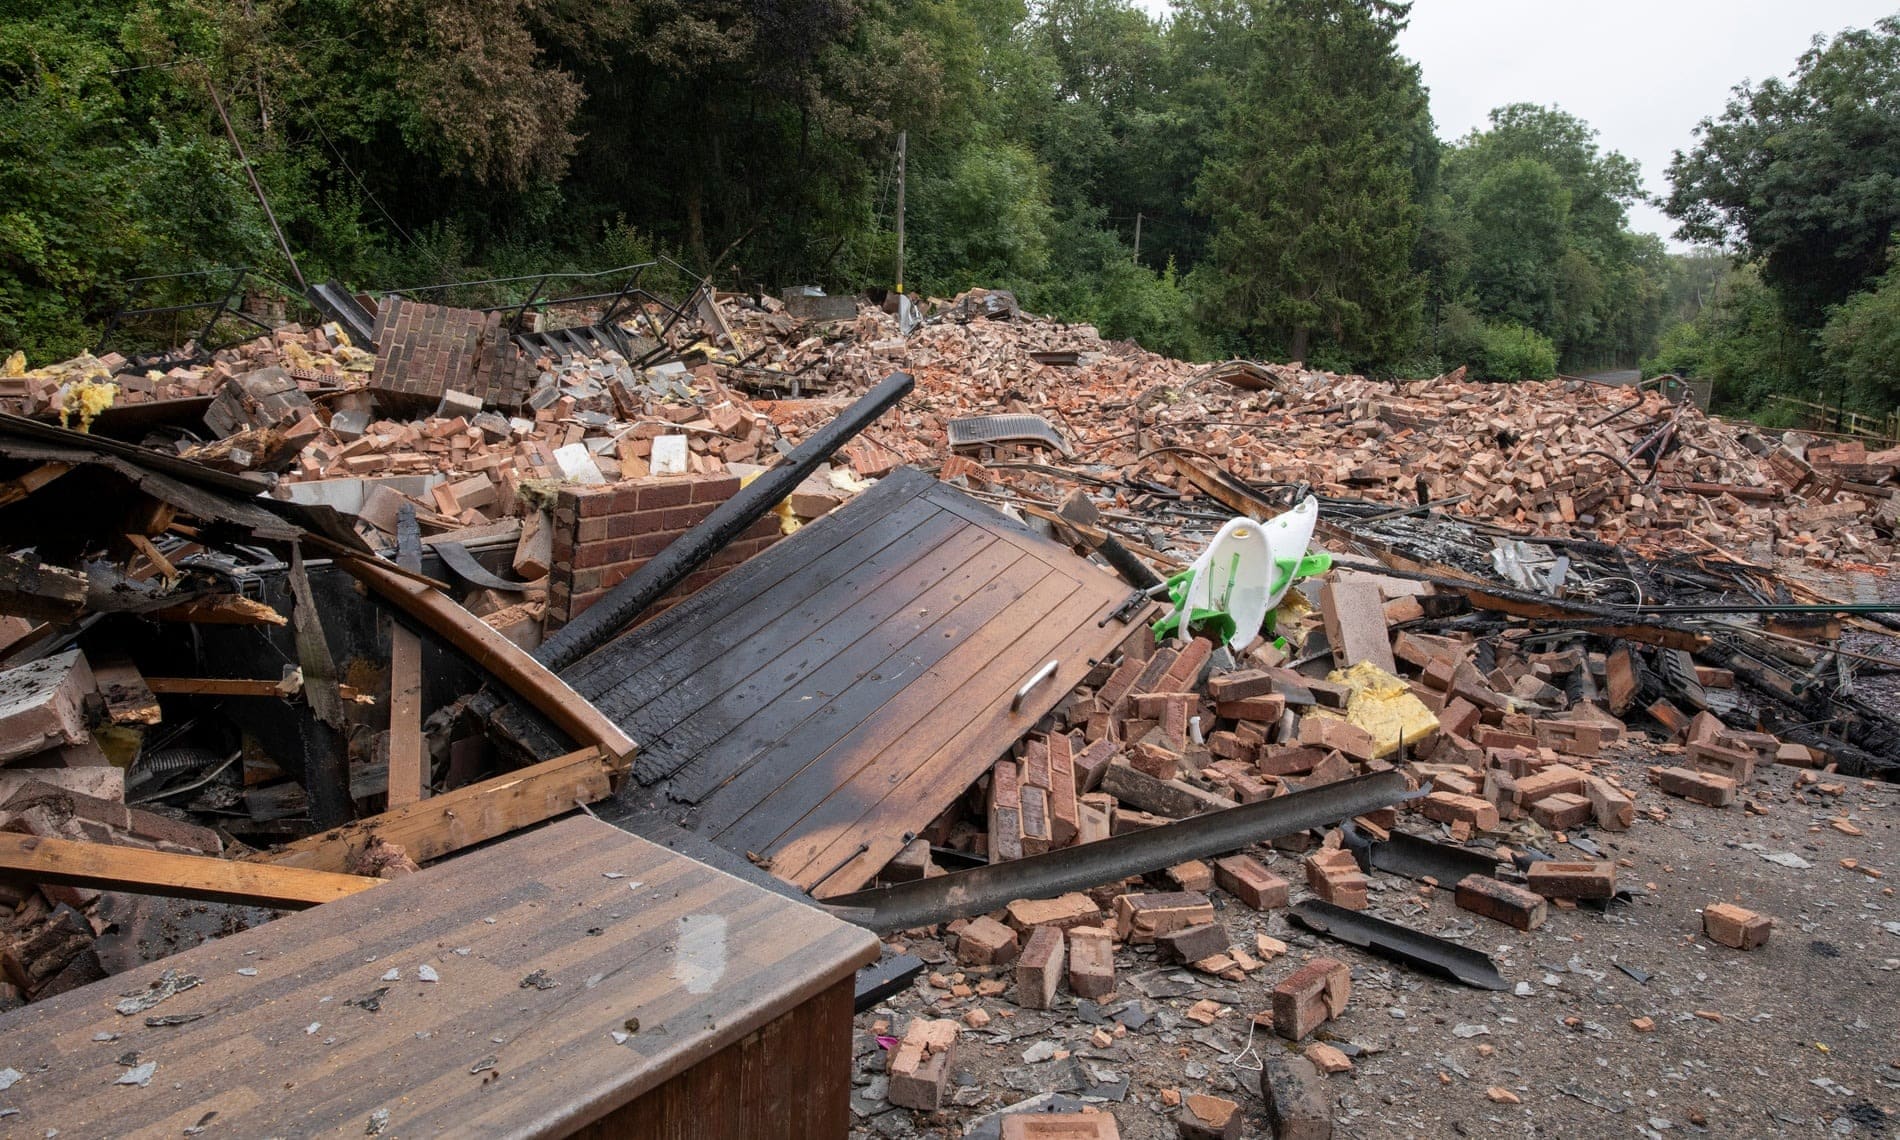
615 948
829 698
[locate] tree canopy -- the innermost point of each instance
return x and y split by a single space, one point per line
1257 177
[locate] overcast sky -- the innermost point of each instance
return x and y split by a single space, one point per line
1642 72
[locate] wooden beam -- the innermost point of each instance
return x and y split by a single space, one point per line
30 589
406 774
444 824
484 645
14 490
28 859
218 686
222 609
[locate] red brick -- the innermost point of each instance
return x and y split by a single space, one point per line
1059 1126
1332 733
983 941
1445 807
1186 668
1702 787
1502 902
716 489
1240 686
1249 880
1582 879
1734 926
1735 763
1206 1117
920 1065
1193 943
1062 912
1141 918
1039 968
1310 997
1561 811
1614 811
1266 708
665 492
1091 962
1334 876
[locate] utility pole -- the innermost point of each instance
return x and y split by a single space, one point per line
902 138
1138 237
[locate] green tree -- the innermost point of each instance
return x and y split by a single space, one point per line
1310 185
1740 340
1799 174
1861 343
1543 214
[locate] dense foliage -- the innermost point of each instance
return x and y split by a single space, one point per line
1799 180
1245 177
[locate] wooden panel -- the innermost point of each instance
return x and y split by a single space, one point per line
840 678
681 722
844 693
846 535
789 1081
284 1052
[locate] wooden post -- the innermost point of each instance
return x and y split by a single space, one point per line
903 138
407 772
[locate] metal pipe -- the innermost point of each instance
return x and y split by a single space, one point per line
608 616
964 893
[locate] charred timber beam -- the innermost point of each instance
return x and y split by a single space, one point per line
980 889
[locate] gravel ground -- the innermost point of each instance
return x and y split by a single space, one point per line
1800 1037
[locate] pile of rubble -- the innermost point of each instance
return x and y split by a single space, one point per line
1546 601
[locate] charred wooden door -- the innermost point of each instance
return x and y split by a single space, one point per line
822 703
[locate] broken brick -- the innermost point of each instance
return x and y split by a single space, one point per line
920 1066
1039 968
1310 997
1735 926
1582 879
1140 919
986 942
1248 880
1502 902
1091 962
1702 787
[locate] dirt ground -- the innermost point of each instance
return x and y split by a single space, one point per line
1800 1037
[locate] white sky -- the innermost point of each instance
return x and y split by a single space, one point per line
1642 72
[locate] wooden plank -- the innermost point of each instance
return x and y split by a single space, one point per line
28 859
950 745
13 490
785 745
222 609
807 764
438 826
700 959
218 686
484 645
783 691
885 581
30 589
776 579
406 773
160 563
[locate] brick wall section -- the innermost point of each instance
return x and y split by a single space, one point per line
425 350
603 534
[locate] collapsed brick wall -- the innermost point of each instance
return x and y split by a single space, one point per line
423 351
603 534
